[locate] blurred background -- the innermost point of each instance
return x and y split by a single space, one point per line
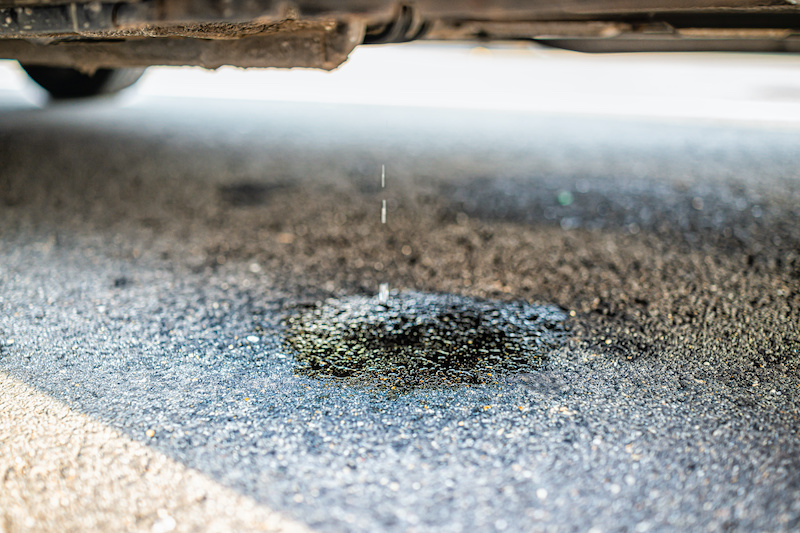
715 87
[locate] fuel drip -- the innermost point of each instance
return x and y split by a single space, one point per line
417 339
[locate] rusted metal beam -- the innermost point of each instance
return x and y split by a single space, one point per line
324 46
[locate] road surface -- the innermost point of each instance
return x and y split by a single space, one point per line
160 257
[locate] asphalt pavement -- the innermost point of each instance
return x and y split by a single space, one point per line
178 277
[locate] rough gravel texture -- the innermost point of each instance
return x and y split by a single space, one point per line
150 255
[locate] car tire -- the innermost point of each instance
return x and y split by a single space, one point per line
63 83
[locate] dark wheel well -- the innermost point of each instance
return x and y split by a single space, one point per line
65 83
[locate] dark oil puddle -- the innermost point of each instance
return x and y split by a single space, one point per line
418 340
248 194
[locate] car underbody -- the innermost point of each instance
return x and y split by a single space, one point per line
92 35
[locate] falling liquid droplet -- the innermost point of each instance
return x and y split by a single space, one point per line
383 293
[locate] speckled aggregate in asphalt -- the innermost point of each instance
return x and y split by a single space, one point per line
151 253
64 472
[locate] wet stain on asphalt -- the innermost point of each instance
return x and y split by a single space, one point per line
422 340
248 194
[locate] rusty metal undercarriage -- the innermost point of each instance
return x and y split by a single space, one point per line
89 35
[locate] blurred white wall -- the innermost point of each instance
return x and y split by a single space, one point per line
738 87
